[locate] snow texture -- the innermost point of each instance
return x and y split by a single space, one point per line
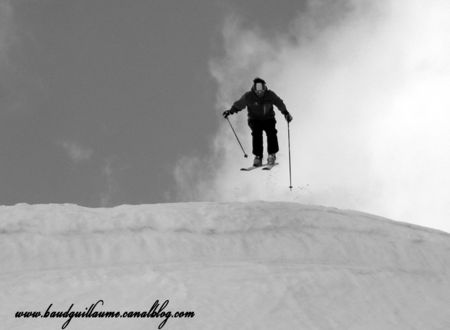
254 265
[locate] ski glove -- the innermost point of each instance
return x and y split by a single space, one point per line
288 117
226 113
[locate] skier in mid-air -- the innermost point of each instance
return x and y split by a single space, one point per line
261 117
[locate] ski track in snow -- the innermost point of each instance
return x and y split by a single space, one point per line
255 265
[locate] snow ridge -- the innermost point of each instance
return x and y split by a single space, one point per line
287 265
47 235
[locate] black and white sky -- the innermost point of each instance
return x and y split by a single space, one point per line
108 102
101 98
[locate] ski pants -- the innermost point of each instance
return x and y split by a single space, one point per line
258 127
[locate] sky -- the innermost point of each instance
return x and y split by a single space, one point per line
100 99
105 103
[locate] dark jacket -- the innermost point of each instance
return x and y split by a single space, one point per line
259 108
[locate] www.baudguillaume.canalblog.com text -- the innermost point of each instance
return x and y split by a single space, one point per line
157 311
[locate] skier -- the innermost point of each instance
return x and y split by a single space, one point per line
261 117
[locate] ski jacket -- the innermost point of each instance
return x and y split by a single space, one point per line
260 108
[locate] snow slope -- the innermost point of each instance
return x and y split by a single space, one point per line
252 265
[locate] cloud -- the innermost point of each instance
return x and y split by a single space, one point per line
76 152
367 84
106 197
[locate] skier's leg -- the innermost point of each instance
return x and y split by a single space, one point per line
272 139
257 137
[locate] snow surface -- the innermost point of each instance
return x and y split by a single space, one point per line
255 265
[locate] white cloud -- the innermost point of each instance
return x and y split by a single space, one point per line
106 197
367 84
76 152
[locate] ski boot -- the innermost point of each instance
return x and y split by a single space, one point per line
271 159
257 161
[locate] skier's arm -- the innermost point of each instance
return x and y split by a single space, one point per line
236 107
279 104
239 104
282 107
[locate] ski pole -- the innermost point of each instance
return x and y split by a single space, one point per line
245 154
289 148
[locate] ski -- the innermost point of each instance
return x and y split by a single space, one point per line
251 168
269 167
264 167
